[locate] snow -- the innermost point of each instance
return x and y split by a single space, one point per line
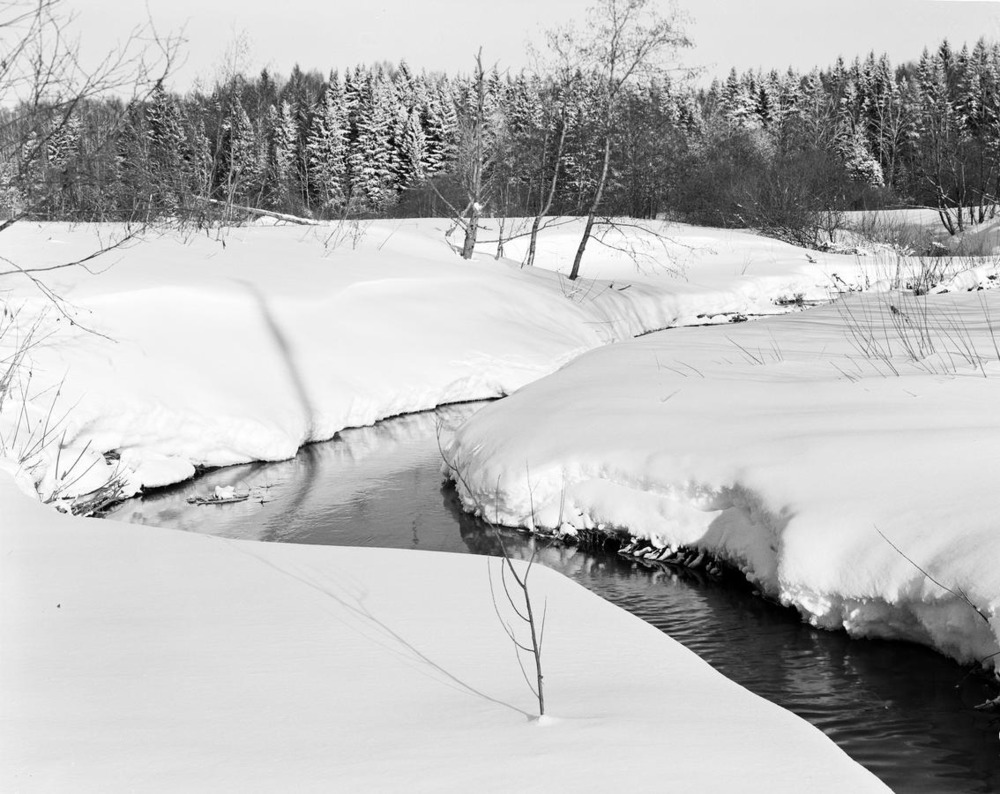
922 226
136 658
225 348
784 448
143 658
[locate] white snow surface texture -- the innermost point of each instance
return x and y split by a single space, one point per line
788 450
223 349
138 658
785 445
142 659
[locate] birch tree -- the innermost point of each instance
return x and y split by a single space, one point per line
624 42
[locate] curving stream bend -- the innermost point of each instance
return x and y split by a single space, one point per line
899 709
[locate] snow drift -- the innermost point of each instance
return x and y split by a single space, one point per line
219 349
801 449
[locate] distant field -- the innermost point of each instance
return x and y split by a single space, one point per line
921 230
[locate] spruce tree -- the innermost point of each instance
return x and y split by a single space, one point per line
283 153
441 129
327 149
413 152
167 143
244 157
372 174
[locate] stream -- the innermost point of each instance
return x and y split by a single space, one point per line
899 709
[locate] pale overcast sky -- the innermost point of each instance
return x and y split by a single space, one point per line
444 34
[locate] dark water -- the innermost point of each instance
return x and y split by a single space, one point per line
899 709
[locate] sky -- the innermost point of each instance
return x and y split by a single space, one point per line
443 35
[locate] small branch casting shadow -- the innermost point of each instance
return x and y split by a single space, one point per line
359 610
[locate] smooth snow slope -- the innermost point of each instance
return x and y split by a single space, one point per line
786 448
143 659
225 349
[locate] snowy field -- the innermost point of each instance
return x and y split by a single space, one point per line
921 229
143 658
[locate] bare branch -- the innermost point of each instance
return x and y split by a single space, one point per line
957 593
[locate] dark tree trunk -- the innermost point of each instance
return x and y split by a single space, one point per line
598 194
544 209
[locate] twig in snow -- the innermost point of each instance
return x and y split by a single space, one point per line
523 606
957 593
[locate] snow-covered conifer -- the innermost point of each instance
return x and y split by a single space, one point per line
370 159
413 152
738 103
243 156
63 144
861 165
327 150
442 128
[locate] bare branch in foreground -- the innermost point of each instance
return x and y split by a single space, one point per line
520 601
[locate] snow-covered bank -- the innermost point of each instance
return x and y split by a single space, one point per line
785 446
229 349
136 658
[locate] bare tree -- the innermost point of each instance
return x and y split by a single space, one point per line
475 159
45 82
474 165
890 122
625 42
551 148
521 606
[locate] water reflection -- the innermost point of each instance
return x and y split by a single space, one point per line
373 486
899 709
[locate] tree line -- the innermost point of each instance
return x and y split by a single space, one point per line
779 152
775 150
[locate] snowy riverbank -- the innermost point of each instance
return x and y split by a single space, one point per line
243 347
142 658
788 447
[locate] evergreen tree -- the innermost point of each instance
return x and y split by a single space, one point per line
327 151
413 151
371 157
243 162
862 166
199 158
166 147
441 128
283 154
